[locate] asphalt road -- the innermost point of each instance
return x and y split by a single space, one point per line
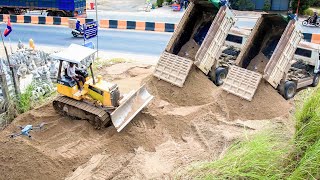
135 42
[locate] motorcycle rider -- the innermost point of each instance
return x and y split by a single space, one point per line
78 26
315 17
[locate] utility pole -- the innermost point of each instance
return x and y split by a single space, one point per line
96 7
297 12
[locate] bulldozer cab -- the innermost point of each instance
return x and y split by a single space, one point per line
73 54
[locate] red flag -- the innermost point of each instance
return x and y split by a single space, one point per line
8 29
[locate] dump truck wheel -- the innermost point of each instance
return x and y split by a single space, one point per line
290 89
316 79
221 74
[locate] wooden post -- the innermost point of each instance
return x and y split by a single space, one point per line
14 75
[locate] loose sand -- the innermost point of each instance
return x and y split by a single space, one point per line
180 126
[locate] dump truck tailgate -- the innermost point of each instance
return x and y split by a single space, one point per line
210 49
173 69
242 82
283 54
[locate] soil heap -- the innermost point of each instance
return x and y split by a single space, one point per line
180 126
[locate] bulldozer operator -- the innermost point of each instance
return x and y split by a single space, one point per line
71 73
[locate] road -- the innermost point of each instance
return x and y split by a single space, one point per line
110 40
121 41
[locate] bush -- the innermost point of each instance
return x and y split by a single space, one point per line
304 5
308 12
267 5
244 5
25 102
159 3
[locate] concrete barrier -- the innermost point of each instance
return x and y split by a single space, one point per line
48 20
314 38
113 24
138 25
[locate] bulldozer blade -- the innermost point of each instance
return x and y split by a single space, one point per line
130 107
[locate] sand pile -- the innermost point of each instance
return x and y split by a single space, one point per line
266 104
189 50
180 126
258 63
197 90
19 160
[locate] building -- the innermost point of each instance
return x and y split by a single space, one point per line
276 5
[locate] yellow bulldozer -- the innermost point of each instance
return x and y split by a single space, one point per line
99 101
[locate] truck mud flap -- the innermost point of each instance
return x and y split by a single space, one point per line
131 106
173 69
242 82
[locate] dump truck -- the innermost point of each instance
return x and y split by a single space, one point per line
62 8
96 100
304 69
267 54
203 28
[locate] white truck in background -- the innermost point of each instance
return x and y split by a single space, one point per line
204 26
304 70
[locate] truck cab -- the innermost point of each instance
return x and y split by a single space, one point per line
304 69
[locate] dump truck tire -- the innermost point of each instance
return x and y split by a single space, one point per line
316 79
289 90
221 74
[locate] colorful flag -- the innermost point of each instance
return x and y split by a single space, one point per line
8 29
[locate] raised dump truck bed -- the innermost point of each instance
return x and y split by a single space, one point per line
201 25
268 51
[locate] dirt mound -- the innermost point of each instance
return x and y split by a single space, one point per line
20 160
180 126
266 104
258 63
197 90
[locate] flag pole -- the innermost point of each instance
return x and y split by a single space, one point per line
14 77
10 45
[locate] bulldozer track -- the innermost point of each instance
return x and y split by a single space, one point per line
101 117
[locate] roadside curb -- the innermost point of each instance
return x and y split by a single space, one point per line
313 38
113 24
137 25
48 20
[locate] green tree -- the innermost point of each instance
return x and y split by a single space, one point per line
304 4
244 4
267 5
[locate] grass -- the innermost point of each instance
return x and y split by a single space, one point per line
24 103
257 157
270 155
100 63
307 139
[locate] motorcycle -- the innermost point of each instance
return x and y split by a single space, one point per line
77 33
310 21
